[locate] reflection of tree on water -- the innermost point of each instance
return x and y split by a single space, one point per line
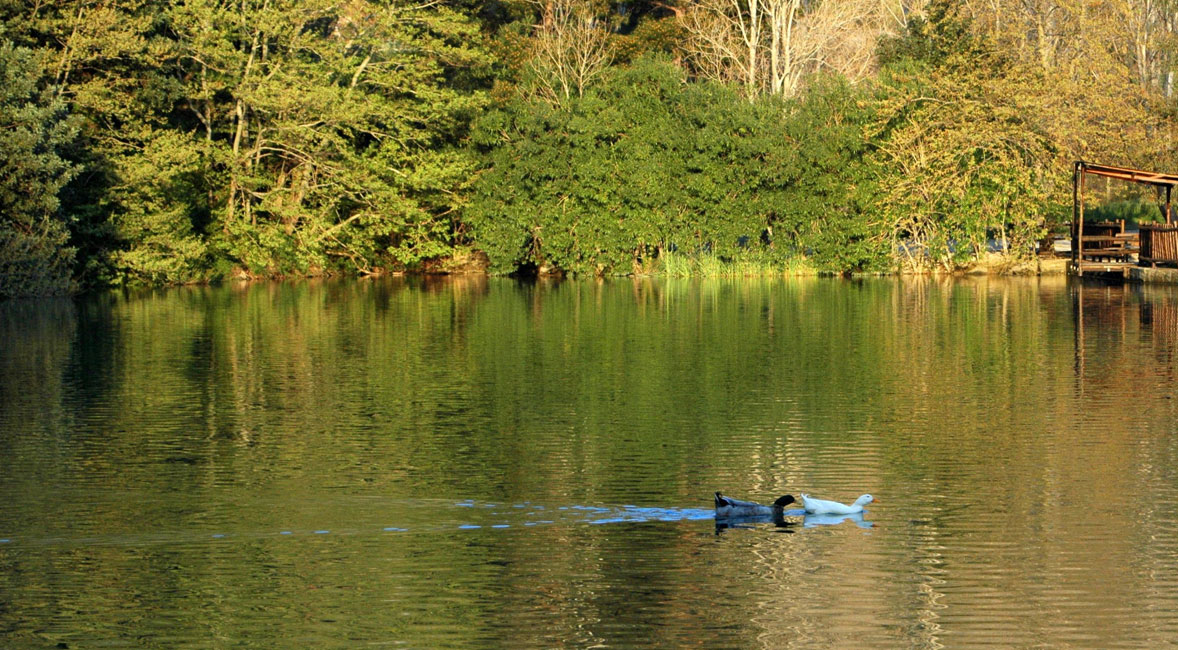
35 338
357 398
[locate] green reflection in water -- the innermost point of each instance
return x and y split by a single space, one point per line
438 451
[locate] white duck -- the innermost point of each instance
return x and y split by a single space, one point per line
727 507
823 507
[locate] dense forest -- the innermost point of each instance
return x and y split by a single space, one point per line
150 142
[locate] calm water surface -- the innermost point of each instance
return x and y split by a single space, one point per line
477 463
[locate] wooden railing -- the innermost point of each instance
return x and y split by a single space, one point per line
1104 243
1159 244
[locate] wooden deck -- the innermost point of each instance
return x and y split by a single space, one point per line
1104 268
1105 248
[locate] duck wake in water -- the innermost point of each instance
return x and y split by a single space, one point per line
427 516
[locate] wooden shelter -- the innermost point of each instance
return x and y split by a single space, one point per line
1106 246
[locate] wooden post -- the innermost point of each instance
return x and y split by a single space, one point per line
1078 208
1075 210
1169 217
1080 221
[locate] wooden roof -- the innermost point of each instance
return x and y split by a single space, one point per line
1124 173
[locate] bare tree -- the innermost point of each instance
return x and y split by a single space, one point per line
571 48
725 40
898 13
783 51
770 46
1151 34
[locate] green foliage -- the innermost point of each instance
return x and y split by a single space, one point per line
641 164
334 129
301 137
650 37
830 201
1133 210
160 194
279 137
962 157
940 37
646 165
35 259
677 265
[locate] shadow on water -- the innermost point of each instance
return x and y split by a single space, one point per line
751 523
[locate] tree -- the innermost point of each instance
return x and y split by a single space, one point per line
771 46
274 136
35 259
830 205
334 128
963 155
571 47
642 164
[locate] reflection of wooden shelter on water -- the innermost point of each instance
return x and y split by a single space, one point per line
1105 246
1113 325
1160 316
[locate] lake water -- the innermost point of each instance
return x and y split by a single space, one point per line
475 463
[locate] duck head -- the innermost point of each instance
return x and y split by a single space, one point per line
783 501
864 500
